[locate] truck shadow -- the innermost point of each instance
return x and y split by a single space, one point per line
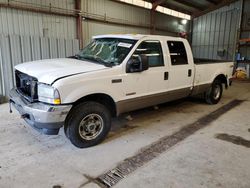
131 121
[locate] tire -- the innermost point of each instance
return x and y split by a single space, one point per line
88 124
214 93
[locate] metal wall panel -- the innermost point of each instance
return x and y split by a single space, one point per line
245 33
7 71
93 28
123 13
113 10
1 75
116 10
76 46
69 47
20 22
216 32
65 4
45 47
53 48
28 36
35 48
16 49
170 23
61 48
26 46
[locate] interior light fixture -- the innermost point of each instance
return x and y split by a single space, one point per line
184 22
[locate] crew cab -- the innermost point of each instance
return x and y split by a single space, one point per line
112 75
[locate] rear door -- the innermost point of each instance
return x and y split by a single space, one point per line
181 69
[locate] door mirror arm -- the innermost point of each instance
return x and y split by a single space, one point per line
137 64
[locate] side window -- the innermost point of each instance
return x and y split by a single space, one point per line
152 49
177 52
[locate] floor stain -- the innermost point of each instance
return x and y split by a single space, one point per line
248 130
118 131
90 180
123 169
57 186
234 139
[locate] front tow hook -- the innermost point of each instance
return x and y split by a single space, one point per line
10 106
24 116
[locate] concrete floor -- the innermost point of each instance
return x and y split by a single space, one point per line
30 159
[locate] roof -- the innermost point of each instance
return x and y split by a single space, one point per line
127 36
132 36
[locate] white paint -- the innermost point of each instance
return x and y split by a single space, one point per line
30 159
98 78
48 70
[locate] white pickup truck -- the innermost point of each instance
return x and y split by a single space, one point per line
112 75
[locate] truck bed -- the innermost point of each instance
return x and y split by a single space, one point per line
207 70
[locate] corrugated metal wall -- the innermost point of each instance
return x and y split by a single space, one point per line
170 23
245 32
215 33
21 22
109 9
92 28
27 36
114 11
15 49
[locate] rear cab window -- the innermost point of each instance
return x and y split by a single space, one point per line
153 50
177 52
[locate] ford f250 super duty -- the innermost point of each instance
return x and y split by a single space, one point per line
112 75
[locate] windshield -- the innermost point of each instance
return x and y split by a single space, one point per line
107 51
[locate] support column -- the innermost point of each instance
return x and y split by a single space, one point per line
152 21
79 31
152 15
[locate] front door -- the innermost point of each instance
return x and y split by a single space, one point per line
142 89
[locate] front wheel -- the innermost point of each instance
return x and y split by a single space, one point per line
214 93
88 124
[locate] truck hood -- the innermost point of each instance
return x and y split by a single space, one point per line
49 70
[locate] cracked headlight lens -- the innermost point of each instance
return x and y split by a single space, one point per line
48 94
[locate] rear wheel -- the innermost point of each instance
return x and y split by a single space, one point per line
214 93
88 124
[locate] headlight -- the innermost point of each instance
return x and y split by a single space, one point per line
48 94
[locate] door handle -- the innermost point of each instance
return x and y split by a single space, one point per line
165 75
189 72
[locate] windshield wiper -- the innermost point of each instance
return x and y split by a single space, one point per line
101 61
76 56
98 60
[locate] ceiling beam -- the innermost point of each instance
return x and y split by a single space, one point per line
176 8
214 7
157 3
189 4
213 2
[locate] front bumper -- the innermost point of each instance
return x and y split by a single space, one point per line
47 118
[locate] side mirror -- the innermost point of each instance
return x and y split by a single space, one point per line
137 64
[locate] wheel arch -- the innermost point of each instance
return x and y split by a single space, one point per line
223 79
101 98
